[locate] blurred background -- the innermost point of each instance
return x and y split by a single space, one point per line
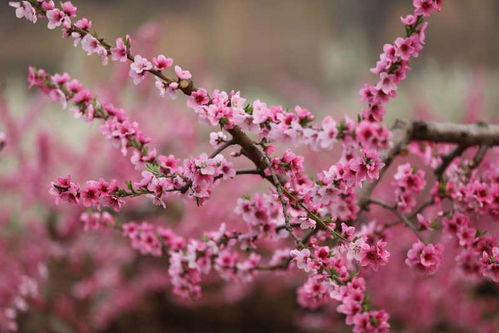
313 53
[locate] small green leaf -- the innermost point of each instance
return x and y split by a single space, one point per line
248 109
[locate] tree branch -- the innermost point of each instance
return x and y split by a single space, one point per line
447 160
464 135
222 147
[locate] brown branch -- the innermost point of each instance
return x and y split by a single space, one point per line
250 172
464 135
222 147
477 159
447 160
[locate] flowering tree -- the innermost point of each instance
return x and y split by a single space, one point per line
334 232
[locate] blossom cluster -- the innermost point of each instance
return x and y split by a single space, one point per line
197 176
190 259
425 258
479 253
409 183
472 192
333 275
393 63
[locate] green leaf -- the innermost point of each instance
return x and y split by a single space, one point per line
154 169
248 109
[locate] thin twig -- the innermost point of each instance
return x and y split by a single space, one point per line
447 160
477 160
399 215
220 149
284 204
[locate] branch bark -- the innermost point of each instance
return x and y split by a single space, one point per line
463 134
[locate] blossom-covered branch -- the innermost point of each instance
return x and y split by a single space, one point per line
320 213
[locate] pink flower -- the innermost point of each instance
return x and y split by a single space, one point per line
410 179
90 194
226 169
371 321
82 97
307 223
74 86
372 135
374 113
302 258
367 93
165 88
369 166
69 9
140 64
36 77
138 78
409 182
64 189
409 19
404 47
205 165
91 45
260 112
216 112
55 18
466 236
347 231
84 24
105 187
424 7
182 74
161 62
327 136
120 52
490 264
61 79
217 139
387 82
24 9
168 163
424 258
374 255
304 114
198 98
